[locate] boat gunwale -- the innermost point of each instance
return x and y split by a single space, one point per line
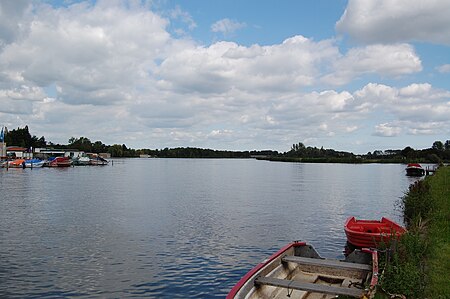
396 229
238 286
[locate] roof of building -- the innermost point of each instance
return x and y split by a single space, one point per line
16 149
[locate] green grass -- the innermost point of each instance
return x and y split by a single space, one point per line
438 264
420 264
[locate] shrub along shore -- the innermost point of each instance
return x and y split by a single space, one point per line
420 265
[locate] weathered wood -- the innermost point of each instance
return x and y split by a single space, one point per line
326 263
309 287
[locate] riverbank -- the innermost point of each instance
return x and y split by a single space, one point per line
420 266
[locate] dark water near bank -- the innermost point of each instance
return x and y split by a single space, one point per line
162 228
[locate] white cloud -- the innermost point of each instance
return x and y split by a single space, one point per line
417 108
117 75
91 53
224 66
385 60
12 21
185 17
444 69
388 21
387 130
227 26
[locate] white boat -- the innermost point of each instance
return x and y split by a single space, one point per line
81 161
298 271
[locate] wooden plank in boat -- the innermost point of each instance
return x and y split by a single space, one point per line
326 263
309 287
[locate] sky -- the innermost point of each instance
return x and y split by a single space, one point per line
356 75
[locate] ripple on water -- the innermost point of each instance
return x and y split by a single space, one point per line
162 228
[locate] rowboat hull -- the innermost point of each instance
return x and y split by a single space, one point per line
372 233
298 270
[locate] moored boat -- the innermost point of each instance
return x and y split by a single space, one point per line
17 163
298 271
98 161
59 162
81 161
372 233
34 163
414 169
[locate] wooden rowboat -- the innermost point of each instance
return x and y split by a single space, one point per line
298 271
372 233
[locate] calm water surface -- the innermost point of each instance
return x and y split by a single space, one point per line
174 228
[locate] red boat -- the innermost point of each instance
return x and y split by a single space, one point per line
414 169
372 233
60 162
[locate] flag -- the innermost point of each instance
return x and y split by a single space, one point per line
2 136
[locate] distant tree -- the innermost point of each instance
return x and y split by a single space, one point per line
378 153
433 158
408 152
22 137
41 142
99 147
82 144
116 150
438 145
447 145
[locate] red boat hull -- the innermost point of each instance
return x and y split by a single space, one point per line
372 233
60 162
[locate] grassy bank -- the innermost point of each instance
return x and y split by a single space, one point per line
420 265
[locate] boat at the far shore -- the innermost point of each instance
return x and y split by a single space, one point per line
372 233
415 169
298 271
17 163
34 163
59 162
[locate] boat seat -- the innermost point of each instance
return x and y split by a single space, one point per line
309 287
326 263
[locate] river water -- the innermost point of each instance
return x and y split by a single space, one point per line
175 228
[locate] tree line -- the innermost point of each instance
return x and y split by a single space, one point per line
438 152
22 137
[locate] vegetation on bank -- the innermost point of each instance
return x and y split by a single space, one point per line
437 153
419 267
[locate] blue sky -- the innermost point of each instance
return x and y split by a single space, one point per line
358 75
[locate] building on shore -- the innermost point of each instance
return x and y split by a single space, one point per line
45 153
18 152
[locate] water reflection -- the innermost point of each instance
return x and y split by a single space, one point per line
174 228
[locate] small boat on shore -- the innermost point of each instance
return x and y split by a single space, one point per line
298 271
372 233
414 169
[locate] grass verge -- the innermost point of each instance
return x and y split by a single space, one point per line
420 264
